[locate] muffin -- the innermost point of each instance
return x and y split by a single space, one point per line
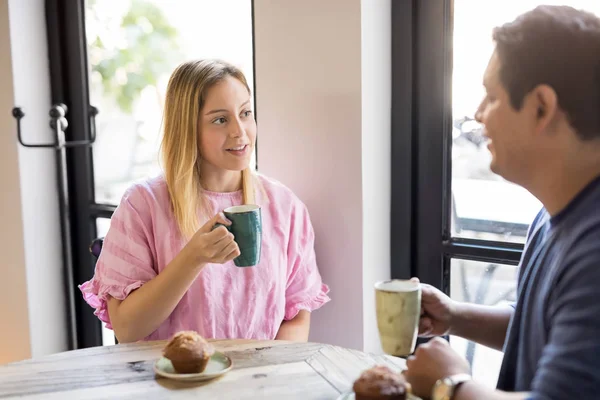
381 383
188 352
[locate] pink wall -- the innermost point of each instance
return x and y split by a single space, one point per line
309 77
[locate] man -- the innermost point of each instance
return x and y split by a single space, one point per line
541 114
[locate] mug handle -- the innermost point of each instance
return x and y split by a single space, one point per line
218 224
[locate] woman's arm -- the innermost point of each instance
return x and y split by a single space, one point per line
146 308
142 312
296 329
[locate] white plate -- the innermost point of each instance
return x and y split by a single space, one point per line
350 396
219 364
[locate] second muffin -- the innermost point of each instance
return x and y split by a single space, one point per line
381 383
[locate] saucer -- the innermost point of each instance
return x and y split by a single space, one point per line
218 365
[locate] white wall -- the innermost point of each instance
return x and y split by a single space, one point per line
376 61
34 221
323 108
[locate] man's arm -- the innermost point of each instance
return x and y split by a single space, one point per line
486 325
475 391
441 315
569 365
437 360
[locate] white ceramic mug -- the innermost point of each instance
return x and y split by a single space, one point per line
398 307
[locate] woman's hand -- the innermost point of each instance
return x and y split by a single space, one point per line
210 245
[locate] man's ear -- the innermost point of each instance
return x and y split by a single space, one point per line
545 101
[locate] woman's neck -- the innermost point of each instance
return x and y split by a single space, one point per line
222 181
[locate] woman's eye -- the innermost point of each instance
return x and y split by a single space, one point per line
247 113
219 121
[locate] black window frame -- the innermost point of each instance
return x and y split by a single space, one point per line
422 242
68 61
67 53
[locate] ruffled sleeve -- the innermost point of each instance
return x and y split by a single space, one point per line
126 261
305 289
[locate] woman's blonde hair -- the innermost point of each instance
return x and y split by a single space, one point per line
180 150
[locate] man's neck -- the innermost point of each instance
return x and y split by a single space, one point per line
563 180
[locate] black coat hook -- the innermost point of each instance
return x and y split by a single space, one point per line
59 123
18 114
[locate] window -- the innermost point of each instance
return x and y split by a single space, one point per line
488 284
455 224
133 47
130 49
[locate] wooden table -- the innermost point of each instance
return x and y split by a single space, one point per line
261 370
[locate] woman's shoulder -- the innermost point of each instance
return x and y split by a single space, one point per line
147 195
277 192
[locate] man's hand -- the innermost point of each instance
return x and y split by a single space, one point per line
437 311
432 361
440 315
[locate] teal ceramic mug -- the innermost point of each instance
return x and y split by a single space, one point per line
246 226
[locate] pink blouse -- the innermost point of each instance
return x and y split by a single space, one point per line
224 301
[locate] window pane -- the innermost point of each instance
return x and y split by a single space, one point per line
484 205
108 336
488 284
133 46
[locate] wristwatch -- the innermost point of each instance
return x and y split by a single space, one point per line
445 388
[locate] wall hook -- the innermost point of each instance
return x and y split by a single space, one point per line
58 123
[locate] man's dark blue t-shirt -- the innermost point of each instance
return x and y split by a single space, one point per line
552 346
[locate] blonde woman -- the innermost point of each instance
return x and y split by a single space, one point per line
164 269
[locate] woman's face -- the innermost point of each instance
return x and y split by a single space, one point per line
227 127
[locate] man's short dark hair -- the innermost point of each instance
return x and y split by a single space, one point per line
558 46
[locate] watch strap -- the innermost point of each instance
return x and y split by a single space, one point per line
450 383
457 380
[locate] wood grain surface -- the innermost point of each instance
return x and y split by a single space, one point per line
261 370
